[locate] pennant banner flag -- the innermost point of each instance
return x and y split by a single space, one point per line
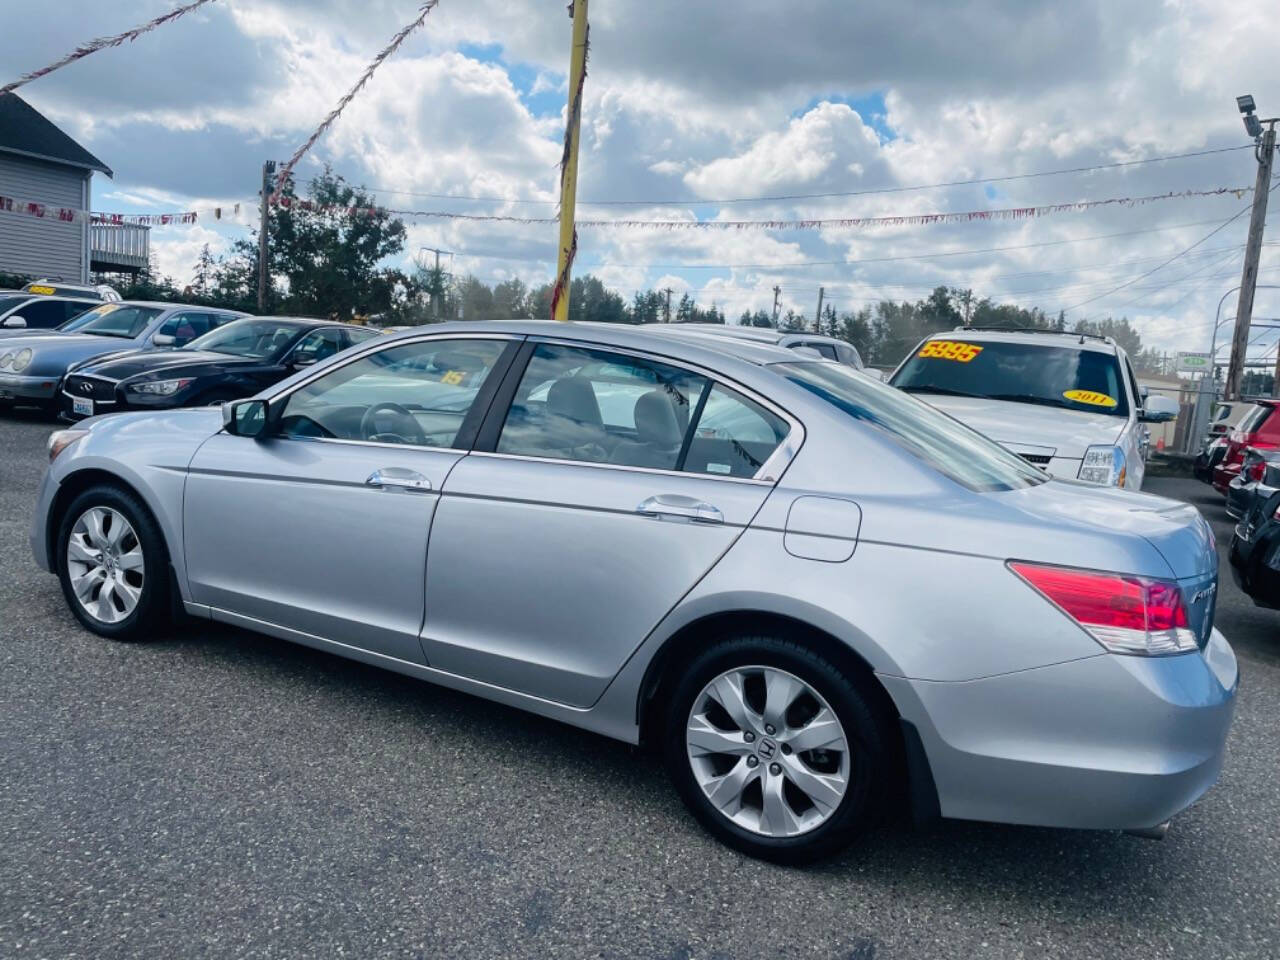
845 223
45 211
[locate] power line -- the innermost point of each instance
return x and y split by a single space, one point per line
798 264
814 196
1222 226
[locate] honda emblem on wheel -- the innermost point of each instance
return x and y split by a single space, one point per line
766 749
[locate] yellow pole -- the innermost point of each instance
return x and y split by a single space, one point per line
569 163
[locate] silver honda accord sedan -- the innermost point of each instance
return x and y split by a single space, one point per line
820 598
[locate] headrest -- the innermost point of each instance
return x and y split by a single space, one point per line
573 397
656 421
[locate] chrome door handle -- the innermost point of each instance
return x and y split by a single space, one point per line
398 478
686 508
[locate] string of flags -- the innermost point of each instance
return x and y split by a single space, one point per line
48 211
232 212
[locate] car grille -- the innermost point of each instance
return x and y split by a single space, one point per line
101 391
1039 459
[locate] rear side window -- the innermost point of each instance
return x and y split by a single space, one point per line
1255 418
599 407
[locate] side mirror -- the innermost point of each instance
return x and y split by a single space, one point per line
14 322
245 418
303 360
163 340
1159 409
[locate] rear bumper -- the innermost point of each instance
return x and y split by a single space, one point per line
1107 742
17 387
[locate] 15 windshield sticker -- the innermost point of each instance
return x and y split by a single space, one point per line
1091 397
949 350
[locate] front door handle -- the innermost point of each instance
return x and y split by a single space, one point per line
398 478
686 508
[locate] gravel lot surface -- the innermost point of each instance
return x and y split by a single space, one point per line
218 793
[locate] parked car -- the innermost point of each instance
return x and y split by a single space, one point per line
827 347
1209 458
1240 489
32 368
1225 415
730 566
1255 544
1066 402
1257 429
234 360
101 292
26 314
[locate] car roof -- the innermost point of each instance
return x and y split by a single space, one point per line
304 321
653 337
1047 338
760 334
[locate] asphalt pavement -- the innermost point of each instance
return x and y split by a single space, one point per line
218 793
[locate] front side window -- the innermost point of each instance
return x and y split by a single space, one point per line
947 445
1073 378
42 313
419 394
598 407
116 320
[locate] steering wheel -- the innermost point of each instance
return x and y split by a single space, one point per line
402 419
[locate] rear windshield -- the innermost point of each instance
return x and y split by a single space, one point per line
1087 380
947 445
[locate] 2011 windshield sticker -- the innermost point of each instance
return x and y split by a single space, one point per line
1091 397
949 350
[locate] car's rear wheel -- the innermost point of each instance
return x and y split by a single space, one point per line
113 564
775 750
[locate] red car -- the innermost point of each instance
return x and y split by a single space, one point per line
1259 429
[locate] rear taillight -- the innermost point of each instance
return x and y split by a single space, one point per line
1132 615
1256 471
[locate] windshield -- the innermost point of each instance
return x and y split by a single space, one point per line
114 320
1068 377
947 445
247 338
76 322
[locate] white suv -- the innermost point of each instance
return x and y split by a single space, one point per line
1067 402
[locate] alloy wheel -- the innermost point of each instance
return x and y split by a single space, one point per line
768 751
105 564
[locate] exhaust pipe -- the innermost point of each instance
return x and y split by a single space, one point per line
1151 833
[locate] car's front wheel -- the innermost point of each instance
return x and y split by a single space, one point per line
112 563
775 750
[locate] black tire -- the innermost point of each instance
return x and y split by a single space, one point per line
866 726
152 609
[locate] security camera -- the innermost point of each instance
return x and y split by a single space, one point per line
1252 125
1245 104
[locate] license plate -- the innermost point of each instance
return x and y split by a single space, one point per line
82 406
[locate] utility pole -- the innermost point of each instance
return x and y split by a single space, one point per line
569 163
1264 153
777 292
666 311
817 317
268 169
436 295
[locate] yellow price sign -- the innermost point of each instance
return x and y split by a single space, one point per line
949 350
1092 397
453 377
40 288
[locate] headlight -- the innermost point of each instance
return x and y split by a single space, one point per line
160 388
21 360
59 440
1104 465
5 358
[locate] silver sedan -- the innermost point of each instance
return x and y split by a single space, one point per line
819 597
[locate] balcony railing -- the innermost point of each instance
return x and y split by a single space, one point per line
118 247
